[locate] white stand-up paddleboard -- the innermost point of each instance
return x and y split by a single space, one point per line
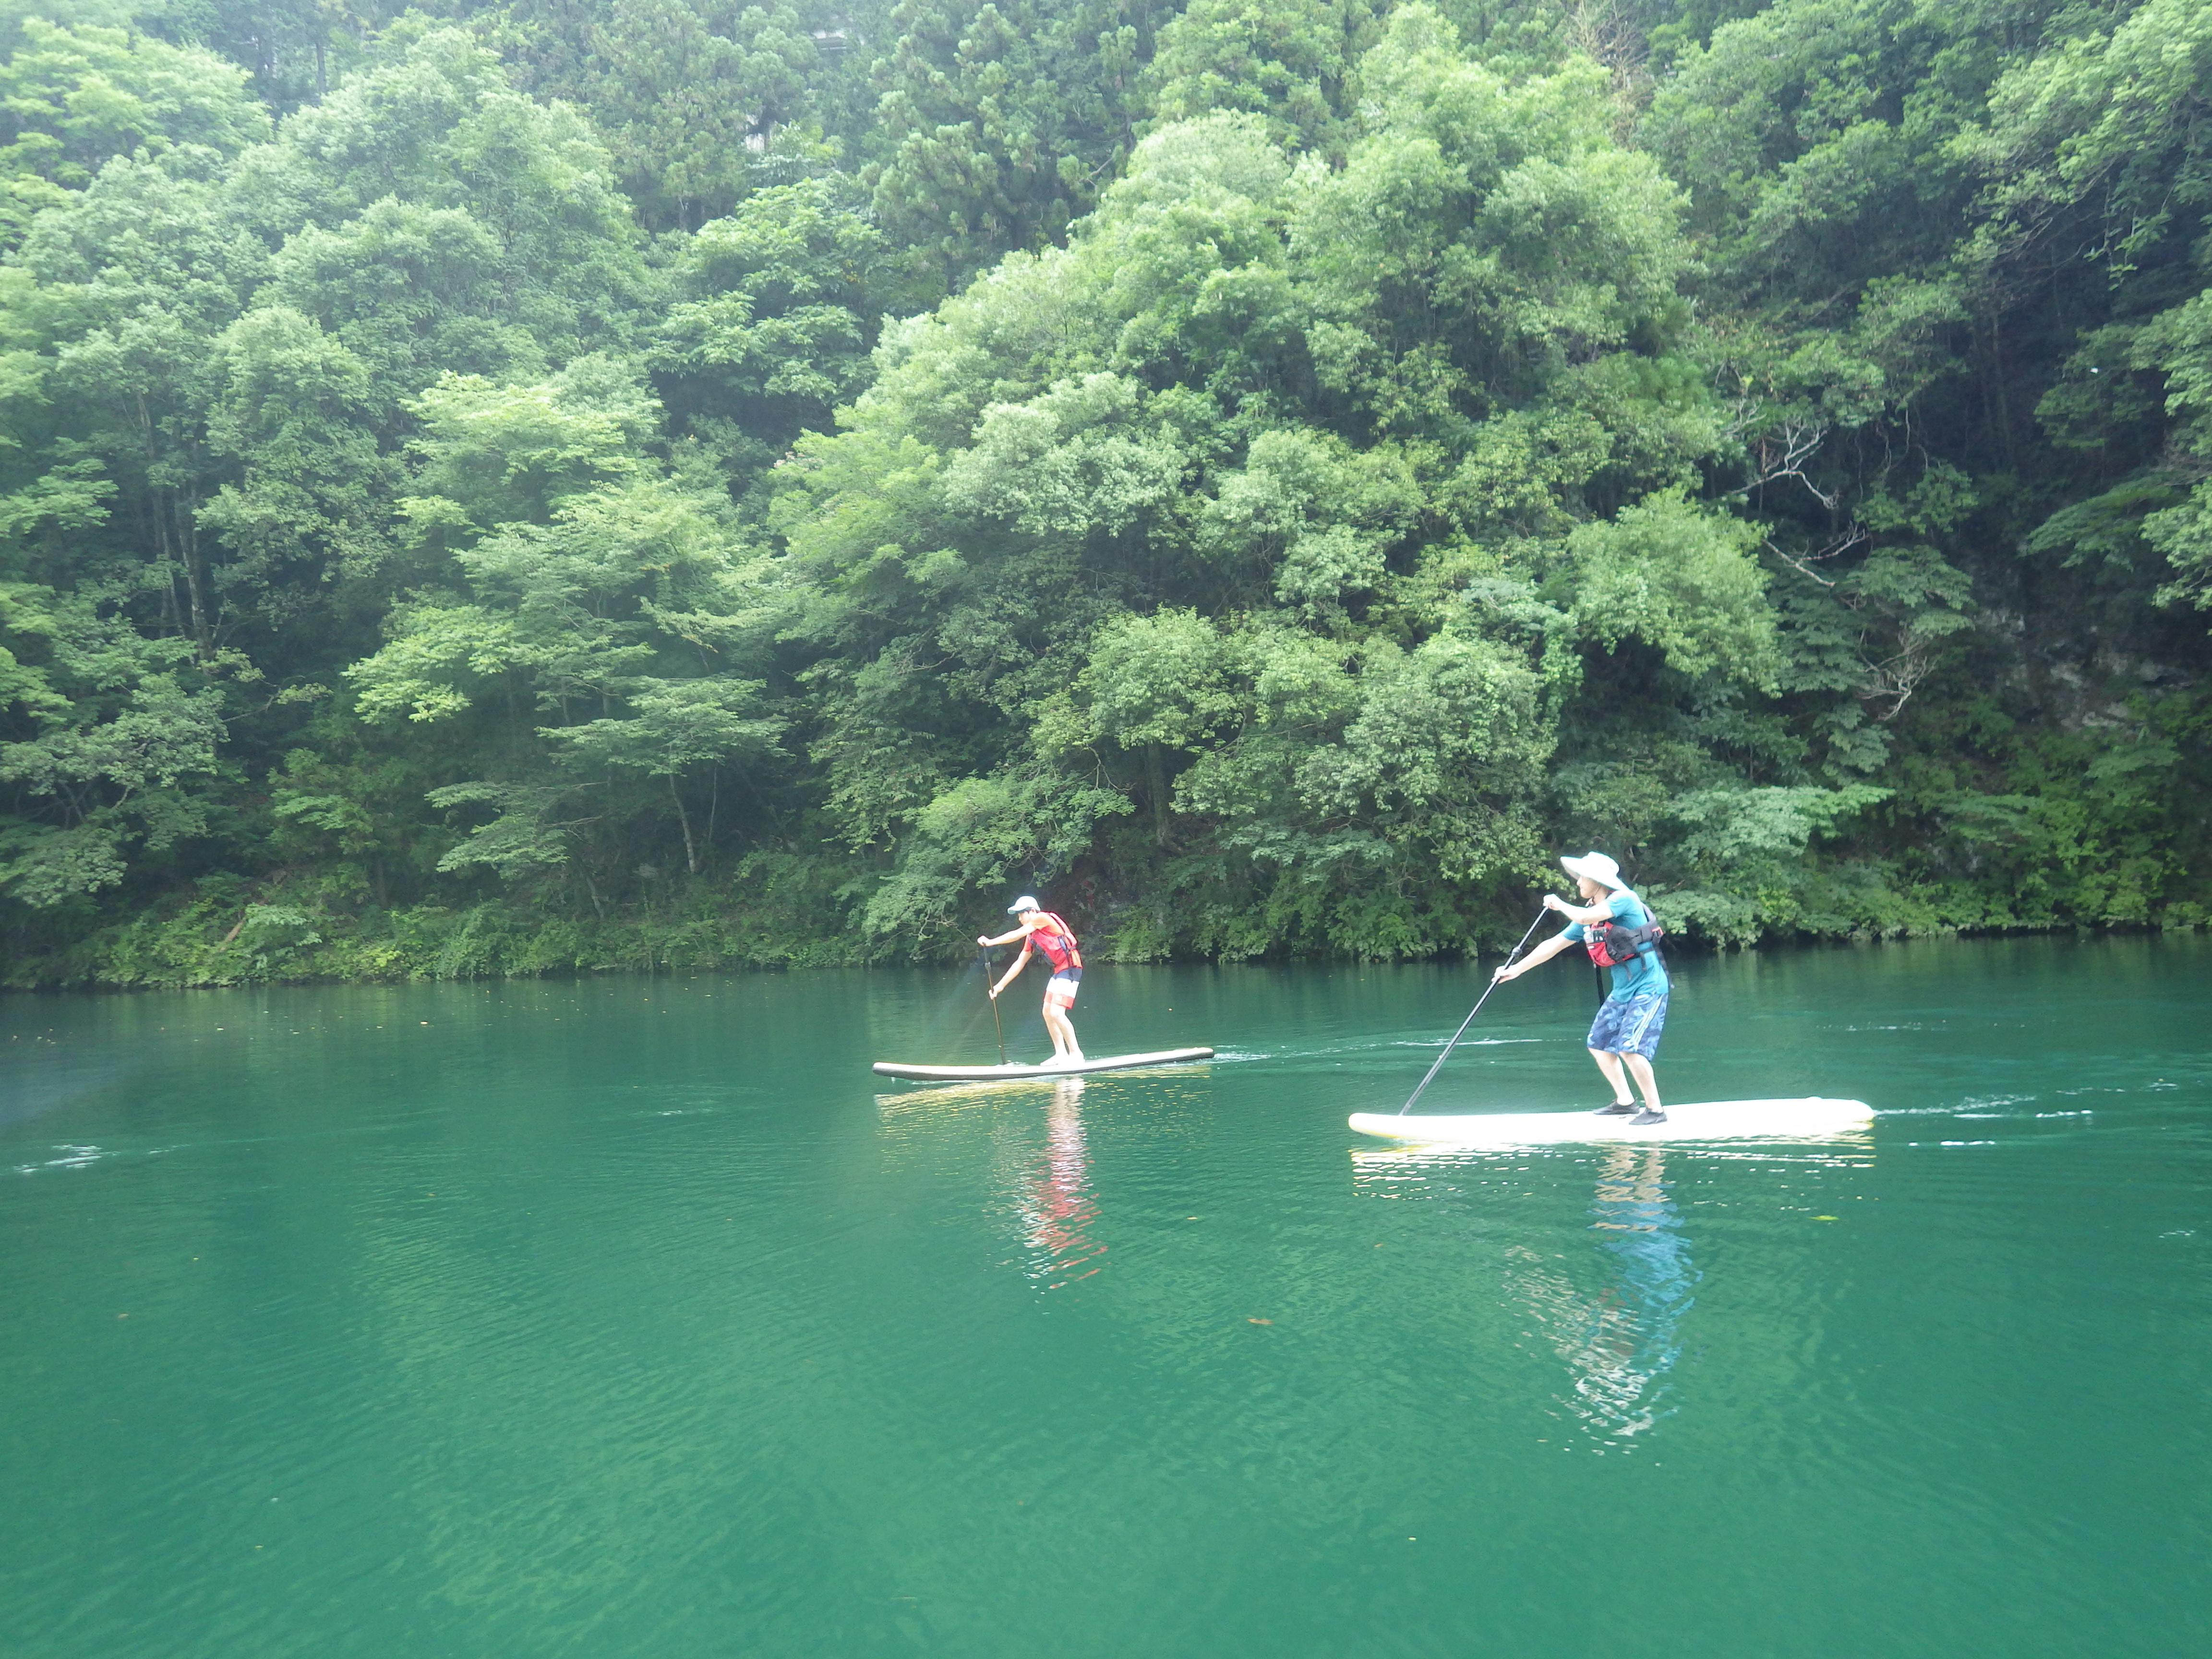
1713 1120
1073 1068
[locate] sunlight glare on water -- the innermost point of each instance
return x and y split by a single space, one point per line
635 1317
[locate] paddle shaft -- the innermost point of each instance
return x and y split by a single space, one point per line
984 957
1471 1013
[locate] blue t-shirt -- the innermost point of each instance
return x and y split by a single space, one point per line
1640 975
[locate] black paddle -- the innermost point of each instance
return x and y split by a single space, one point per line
983 956
1471 1013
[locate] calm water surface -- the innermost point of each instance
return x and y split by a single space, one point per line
628 1317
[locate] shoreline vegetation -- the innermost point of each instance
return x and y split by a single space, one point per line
279 945
589 485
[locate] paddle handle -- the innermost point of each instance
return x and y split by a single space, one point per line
1511 958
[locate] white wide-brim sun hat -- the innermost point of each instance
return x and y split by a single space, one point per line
1598 867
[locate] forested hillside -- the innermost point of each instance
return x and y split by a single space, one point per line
635 483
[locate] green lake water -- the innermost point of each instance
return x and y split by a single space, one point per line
635 1317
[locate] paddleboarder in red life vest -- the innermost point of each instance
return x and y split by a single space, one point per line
1614 925
1041 930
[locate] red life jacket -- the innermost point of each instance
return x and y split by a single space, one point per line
1614 943
1057 940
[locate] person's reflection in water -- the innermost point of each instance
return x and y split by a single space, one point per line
1057 1207
1625 1338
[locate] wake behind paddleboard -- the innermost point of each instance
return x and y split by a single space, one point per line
1717 1120
988 1074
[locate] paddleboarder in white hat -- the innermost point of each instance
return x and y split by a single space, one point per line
1616 928
1041 930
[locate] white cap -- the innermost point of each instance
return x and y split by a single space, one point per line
1026 901
1598 867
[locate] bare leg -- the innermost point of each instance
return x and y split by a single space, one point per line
1640 1069
1610 1065
1064 1045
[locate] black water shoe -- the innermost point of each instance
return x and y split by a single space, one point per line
1646 1117
1618 1109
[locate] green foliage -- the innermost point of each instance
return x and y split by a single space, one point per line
1680 579
71 99
997 123
633 483
122 732
1292 64
679 91
772 321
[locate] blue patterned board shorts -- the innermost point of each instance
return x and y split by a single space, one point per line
1629 1028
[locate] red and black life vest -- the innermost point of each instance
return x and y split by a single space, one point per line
1615 943
1057 940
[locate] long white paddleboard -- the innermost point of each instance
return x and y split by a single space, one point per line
1713 1120
1073 1068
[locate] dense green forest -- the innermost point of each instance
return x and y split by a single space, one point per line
600 483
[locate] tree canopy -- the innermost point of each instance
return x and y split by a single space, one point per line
624 482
